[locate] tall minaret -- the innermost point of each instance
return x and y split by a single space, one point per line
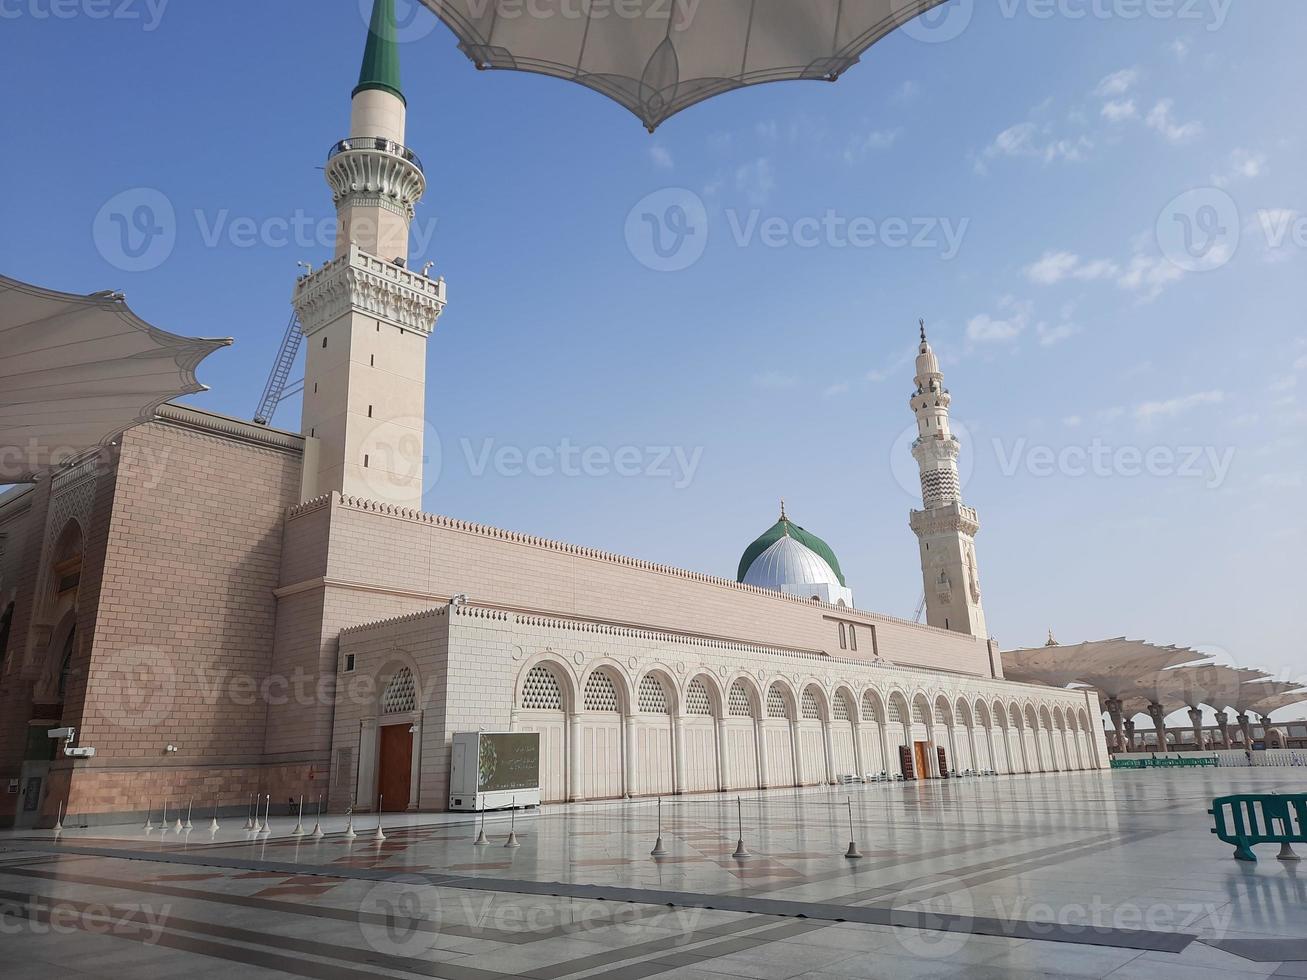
945 528
366 316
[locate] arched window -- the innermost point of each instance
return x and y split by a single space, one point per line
400 696
776 706
540 690
810 710
844 638
740 706
853 637
697 701
653 697
600 692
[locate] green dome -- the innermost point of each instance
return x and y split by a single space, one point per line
381 57
781 529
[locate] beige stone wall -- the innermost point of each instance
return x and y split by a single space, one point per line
471 661
417 560
185 614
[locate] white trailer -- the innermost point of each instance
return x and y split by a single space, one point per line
494 770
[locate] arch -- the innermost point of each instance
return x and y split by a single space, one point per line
871 733
813 705
702 699
740 734
600 755
963 713
743 700
846 753
1030 739
400 695
697 739
545 697
898 731
778 753
650 731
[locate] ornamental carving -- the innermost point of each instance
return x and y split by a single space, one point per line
361 283
377 178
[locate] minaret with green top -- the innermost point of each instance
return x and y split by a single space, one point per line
366 314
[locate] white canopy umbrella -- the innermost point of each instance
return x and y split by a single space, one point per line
657 57
77 371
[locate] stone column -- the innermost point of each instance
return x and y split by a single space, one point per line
629 757
1158 714
574 791
1246 726
1130 735
678 752
1223 721
723 777
1113 706
415 770
828 743
760 735
1196 719
366 792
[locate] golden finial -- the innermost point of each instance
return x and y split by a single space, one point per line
922 323
783 517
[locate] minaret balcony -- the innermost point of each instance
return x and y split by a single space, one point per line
376 144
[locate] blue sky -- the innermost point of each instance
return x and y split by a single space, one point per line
1132 398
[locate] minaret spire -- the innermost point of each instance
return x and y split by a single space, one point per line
945 527
380 70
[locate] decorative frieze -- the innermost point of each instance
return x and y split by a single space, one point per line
357 282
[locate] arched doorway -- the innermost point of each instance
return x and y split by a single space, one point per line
699 731
779 737
813 719
544 700
898 736
922 739
843 735
654 766
741 726
873 734
603 705
398 758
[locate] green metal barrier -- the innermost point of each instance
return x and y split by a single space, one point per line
1251 819
1201 762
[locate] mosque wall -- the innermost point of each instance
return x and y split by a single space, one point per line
635 712
180 641
420 560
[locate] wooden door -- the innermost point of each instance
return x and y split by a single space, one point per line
396 767
919 750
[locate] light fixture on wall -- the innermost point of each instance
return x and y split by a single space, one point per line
170 748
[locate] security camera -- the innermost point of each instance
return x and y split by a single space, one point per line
83 753
67 734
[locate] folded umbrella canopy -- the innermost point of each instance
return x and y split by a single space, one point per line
77 371
657 57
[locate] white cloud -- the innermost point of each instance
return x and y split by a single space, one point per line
1163 120
1050 336
1119 110
984 329
1072 421
661 157
1054 267
1300 364
836 389
756 180
860 146
1145 275
1029 139
1244 165
1118 83
1148 275
1149 411
1179 48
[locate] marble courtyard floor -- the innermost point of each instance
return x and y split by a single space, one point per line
1085 875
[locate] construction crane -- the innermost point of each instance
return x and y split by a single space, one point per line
277 388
